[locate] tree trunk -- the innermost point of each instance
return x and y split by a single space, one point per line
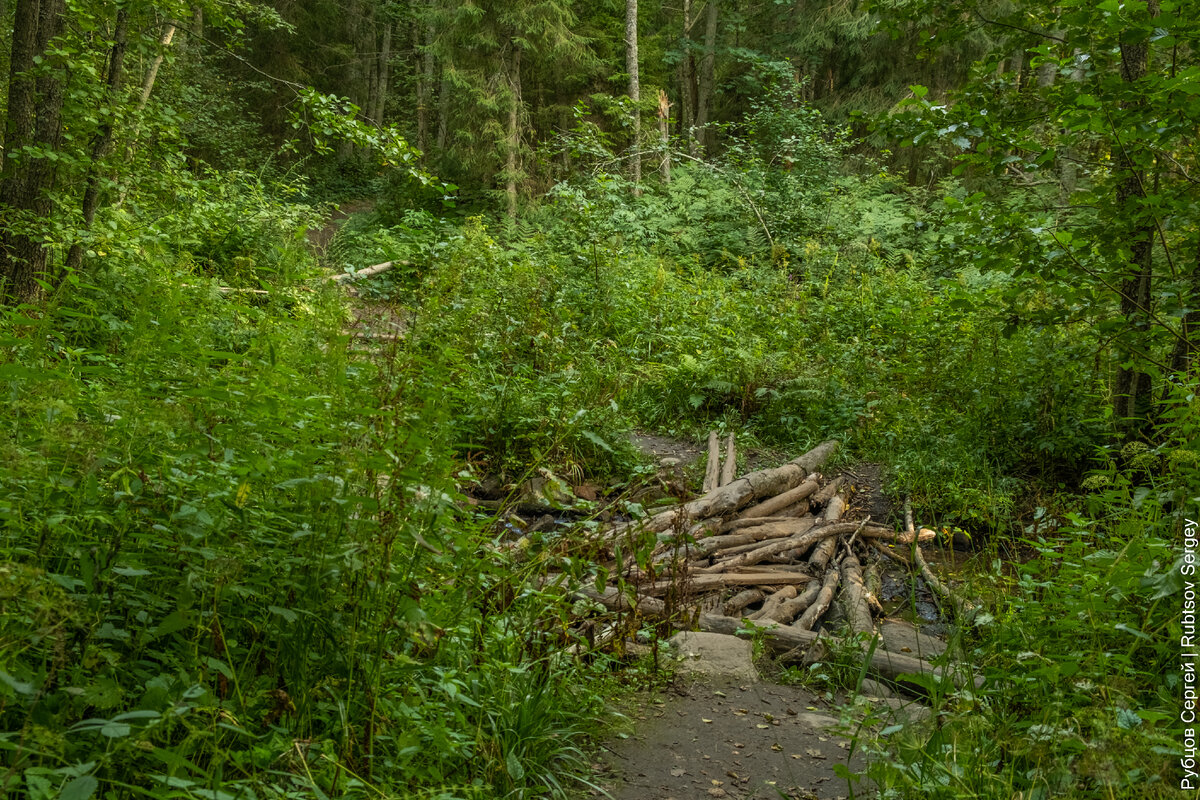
664 135
513 138
152 73
102 141
34 118
1132 390
687 80
635 90
425 92
443 130
707 70
383 78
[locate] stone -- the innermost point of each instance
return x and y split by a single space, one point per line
903 637
714 655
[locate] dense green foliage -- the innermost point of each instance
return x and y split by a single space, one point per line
236 557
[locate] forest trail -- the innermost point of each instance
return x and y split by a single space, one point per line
718 737
725 729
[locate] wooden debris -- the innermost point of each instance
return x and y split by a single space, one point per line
774 602
821 604
729 469
368 272
712 471
854 599
779 502
742 599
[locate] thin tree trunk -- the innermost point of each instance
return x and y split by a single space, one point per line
707 70
635 90
425 92
443 131
664 135
152 73
513 143
687 80
384 74
102 141
1132 390
1187 347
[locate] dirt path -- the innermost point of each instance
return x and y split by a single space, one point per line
718 738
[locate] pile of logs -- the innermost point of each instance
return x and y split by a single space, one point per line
768 552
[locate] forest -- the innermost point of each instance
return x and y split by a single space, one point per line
332 336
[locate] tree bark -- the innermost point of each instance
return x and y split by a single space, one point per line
729 467
707 71
425 92
102 141
34 117
1132 390
664 136
513 137
152 72
635 91
384 77
712 469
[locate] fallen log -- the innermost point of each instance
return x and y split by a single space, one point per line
789 609
773 603
615 600
727 499
854 599
779 502
704 583
821 603
739 601
959 605
368 272
882 663
828 491
712 471
823 552
729 468
797 542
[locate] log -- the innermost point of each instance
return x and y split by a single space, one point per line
704 583
854 599
828 491
779 502
368 272
882 663
824 551
789 609
873 584
891 552
739 601
615 600
774 602
821 604
729 469
803 540
725 500
958 604
712 472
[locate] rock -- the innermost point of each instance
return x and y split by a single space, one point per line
714 655
872 688
902 637
897 710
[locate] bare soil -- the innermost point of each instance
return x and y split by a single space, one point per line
715 739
